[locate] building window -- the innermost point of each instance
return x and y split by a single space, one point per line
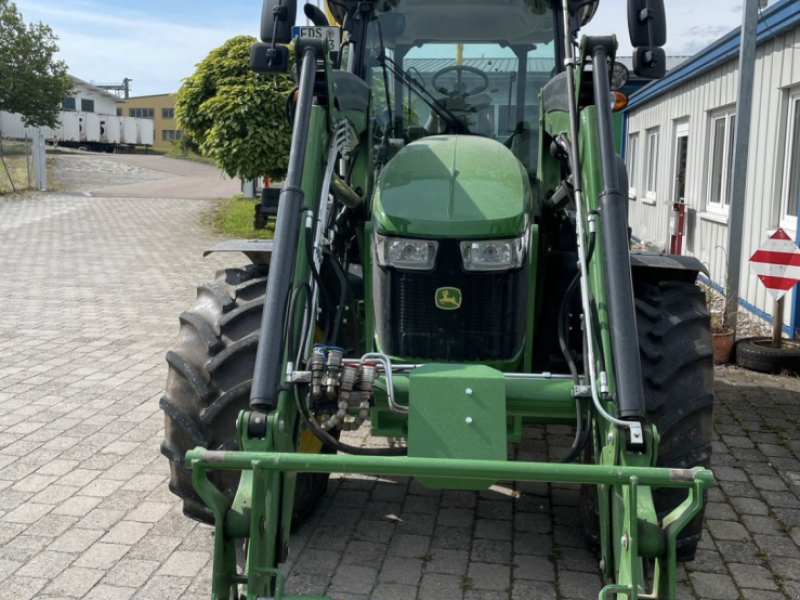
119 112
171 134
142 113
68 104
167 113
790 201
651 173
87 105
632 159
720 169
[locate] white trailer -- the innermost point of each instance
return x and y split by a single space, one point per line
129 130
146 132
70 128
109 129
90 127
11 126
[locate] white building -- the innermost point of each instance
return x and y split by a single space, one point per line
87 98
679 147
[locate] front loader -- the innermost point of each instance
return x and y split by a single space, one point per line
451 264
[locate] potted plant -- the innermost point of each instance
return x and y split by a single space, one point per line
721 332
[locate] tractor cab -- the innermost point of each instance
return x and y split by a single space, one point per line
439 67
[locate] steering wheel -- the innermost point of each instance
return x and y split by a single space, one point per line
459 70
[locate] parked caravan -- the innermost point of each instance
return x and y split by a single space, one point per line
146 132
129 130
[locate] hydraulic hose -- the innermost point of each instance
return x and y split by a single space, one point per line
337 324
323 293
328 440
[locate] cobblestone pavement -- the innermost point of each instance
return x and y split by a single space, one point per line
92 289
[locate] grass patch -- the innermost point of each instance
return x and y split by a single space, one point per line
233 218
176 152
18 170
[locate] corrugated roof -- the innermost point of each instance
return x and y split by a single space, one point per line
775 21
488 65
509 65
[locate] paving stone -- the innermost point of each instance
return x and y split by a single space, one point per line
488 576
491 551
727 530
535 568
354 580
184 564
75 540
713 586
448 562
405 571
752 576
435 586
578 585
409 546
74 582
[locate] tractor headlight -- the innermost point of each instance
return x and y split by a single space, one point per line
494 255
403 253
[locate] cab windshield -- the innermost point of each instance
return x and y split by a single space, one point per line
461 66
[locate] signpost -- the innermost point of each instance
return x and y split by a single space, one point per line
777 265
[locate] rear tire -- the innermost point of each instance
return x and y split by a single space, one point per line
210 372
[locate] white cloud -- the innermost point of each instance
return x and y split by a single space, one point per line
155 53
691 24
107 44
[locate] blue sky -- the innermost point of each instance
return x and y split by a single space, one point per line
157 43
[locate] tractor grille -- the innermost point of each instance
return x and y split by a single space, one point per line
489 325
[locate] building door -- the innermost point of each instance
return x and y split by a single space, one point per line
677 215
681 151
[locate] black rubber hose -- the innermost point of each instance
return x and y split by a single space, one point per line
334 444
563 314
323 293
580 431
343 285
293 352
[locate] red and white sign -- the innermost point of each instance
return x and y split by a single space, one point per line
777 264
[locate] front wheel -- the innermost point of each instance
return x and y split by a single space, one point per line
674 336
208 384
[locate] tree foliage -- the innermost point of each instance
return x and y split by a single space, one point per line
235 116
32 82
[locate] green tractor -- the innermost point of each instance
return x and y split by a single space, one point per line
451 263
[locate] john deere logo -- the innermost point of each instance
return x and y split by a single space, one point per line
448 298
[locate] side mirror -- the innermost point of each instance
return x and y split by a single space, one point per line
650 64
647 23
277 20
266 59
316 15
393 25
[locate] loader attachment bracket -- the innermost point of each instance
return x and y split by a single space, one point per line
267 475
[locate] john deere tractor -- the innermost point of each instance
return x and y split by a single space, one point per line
451 264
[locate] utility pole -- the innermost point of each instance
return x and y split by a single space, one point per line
741 152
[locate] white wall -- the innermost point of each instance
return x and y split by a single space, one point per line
103 104
777 75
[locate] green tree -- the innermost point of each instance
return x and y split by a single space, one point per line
32 82
235 116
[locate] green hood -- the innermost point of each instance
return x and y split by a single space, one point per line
453 186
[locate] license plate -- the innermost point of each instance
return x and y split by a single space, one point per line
332 34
